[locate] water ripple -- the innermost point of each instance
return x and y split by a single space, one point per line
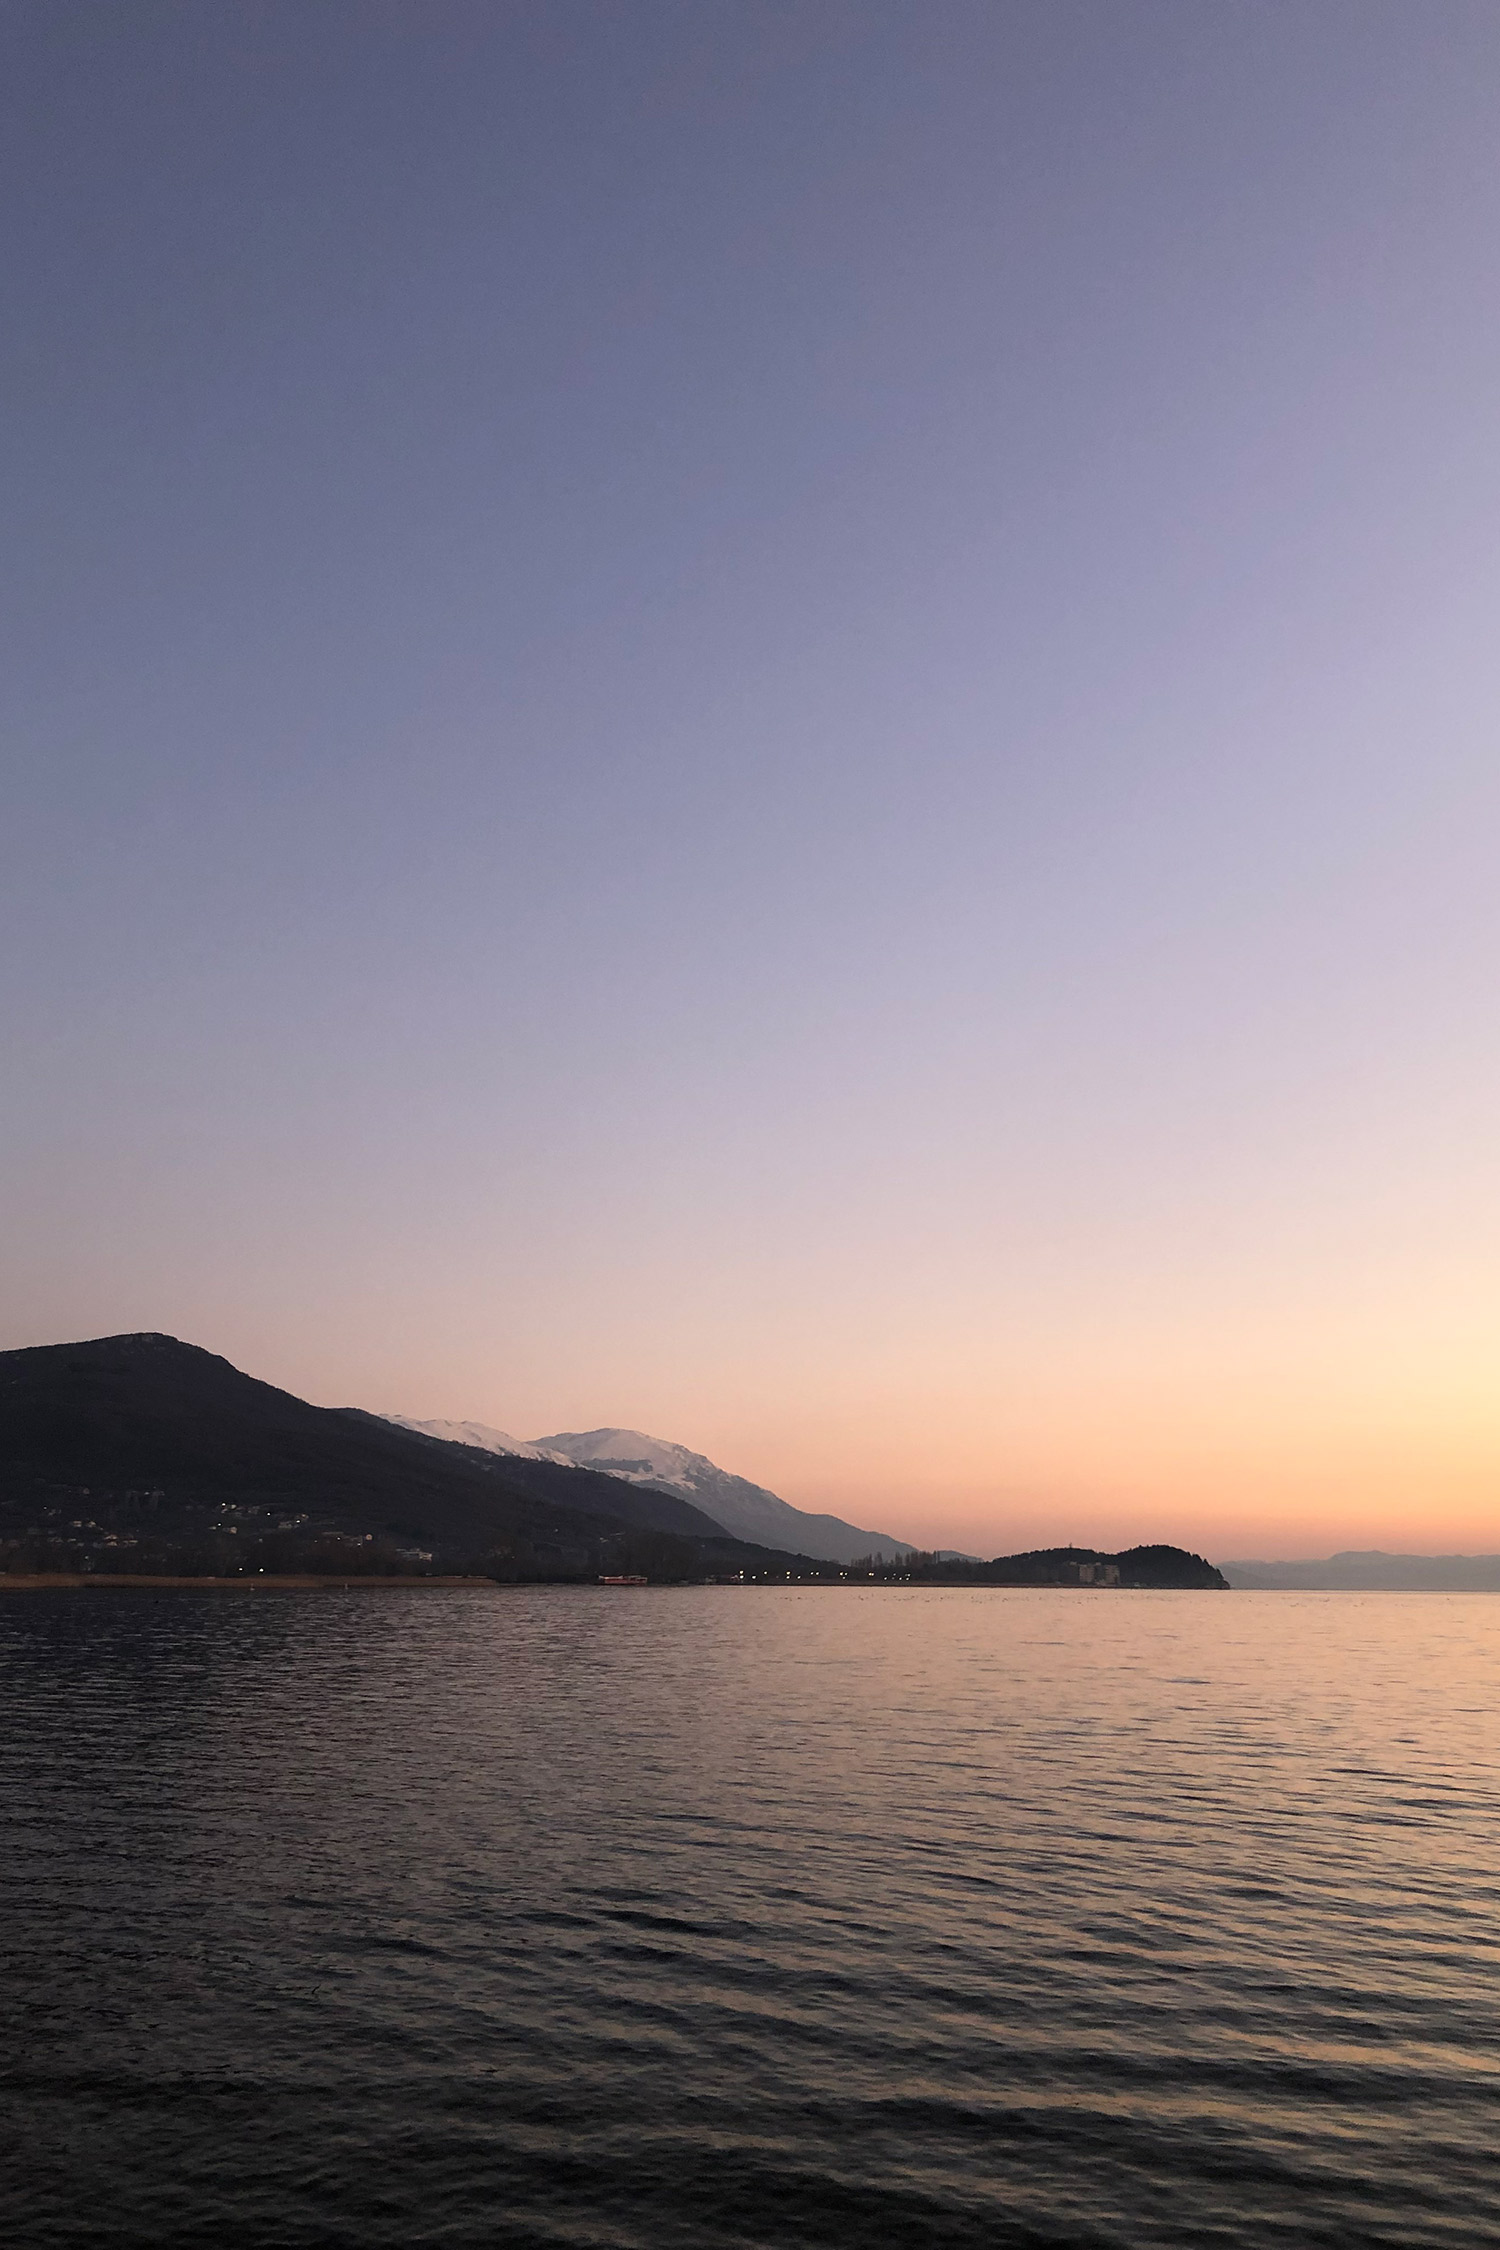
747 1919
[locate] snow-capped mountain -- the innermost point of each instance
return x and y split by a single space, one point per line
481 1435
746 1510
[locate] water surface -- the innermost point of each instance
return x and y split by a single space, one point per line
742 1917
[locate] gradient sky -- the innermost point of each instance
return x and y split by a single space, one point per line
777 722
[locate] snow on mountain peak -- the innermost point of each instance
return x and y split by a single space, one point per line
745 1510
478 1434
630 1454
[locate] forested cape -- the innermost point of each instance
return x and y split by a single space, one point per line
141 1455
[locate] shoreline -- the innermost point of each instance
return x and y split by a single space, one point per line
44 1581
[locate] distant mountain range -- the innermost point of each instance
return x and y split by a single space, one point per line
747 1511
143 1453
140 1455
1370 1571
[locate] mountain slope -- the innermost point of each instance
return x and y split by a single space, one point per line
480 1435
549 1476
143 1441
747 1510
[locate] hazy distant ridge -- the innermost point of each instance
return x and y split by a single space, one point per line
1371 1571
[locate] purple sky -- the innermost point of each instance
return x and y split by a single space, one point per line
773 722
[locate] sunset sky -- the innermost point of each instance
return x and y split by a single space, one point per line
775 722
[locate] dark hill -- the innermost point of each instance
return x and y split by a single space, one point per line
144 1450
1070 1566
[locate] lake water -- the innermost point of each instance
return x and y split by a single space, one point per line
749 1917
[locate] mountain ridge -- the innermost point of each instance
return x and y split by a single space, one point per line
743 1509
140 1455
481 1435
140 1444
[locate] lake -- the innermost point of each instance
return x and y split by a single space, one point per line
722 1916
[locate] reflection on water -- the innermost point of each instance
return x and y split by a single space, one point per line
713 1917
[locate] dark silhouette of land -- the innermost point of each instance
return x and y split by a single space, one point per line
1065 1566
144 1457
141 1453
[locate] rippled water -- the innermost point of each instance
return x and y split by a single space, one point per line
715 1917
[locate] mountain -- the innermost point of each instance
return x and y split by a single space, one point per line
747 1510
1370 1571
141 1453
144 1452
481 1437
